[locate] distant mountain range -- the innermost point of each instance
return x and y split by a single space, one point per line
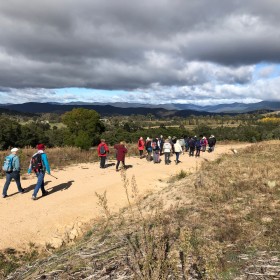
161 110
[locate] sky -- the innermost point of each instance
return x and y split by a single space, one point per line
178 51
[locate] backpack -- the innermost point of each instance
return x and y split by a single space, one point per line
102 150
8 163
154 145
36 163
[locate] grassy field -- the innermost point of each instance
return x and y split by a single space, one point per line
220 222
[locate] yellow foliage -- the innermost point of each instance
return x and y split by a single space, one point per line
273 120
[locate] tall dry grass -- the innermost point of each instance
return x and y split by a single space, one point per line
208 225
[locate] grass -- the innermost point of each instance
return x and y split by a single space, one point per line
225 224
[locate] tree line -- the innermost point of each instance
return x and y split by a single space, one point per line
84 128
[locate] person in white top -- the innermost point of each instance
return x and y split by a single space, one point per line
167 150
177 150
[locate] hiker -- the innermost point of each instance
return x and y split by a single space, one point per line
187 139
102 151
161 142
192 146
141 146
204 143
182 143
177 150
12 169
121 150
156 150
148 146
197 147
167 150
211 143
40 165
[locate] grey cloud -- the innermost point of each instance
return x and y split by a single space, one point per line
129 44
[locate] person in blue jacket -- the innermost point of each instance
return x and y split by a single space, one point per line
13 174
40 171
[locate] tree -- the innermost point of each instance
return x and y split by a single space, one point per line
83 123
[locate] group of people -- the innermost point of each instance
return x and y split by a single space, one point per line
38 164
154 148
103 151
173 145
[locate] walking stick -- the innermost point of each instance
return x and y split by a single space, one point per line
53 176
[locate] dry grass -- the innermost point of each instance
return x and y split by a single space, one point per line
225 224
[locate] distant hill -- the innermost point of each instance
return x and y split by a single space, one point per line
220 108
161 110
103 110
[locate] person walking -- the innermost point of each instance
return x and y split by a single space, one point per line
13 172
167 150
211 143
102 151
121 151
141 146
178 150
197 147
148 146
40 165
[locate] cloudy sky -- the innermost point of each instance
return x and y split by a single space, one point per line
148 51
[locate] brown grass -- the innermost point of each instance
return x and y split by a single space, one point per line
227 214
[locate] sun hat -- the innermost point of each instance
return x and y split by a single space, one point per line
14 150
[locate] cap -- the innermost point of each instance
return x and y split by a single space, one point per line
14 150
40 146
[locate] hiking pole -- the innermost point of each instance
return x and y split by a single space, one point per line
53 176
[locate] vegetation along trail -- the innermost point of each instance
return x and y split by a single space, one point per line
72 201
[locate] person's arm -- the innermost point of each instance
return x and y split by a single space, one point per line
16 163
46 163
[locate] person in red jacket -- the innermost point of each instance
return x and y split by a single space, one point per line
141 146
121 151
102 150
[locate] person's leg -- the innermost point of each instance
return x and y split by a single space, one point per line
168 158
40 184
123 164
118 163
44 192
16 176
177 157
102 162
7 183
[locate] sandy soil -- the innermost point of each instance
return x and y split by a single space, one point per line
72 196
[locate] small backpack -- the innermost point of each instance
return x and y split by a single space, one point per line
8 163
36 163
102 150
154 145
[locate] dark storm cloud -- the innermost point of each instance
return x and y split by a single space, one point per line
134 44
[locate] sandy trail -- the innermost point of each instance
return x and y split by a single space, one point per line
72 196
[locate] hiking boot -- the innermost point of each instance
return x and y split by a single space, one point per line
23 191
45 193
4 195
34 197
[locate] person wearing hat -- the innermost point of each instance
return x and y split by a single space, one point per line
40 171
14 174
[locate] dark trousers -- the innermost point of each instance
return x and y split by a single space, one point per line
118 163
9 176
191 152
141 153
167 158
102 161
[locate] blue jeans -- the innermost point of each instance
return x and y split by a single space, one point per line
9 176
40 183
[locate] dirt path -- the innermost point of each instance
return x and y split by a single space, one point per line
72 200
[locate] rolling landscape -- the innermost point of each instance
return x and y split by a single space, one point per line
140 140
